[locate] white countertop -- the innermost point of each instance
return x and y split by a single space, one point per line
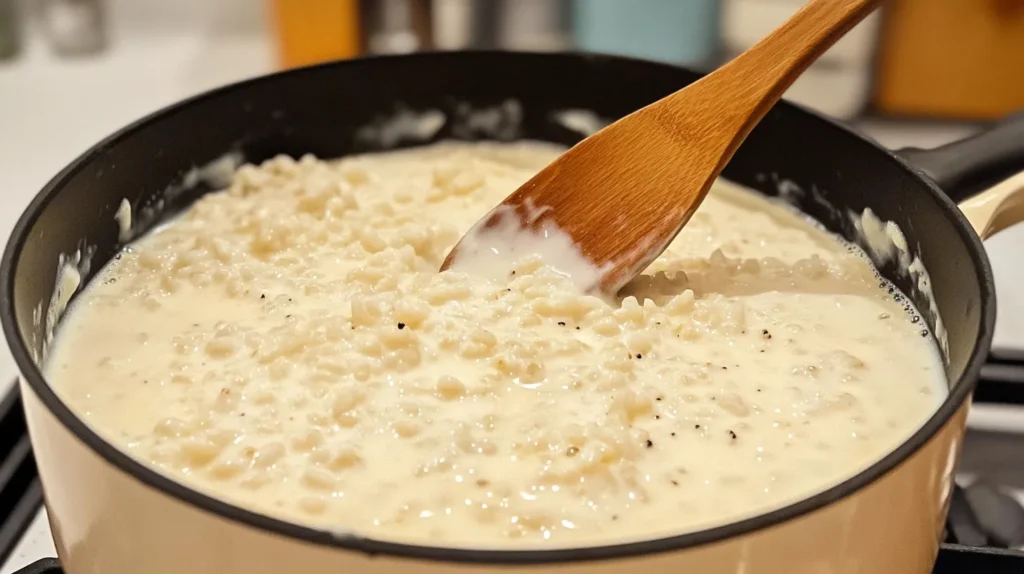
52 110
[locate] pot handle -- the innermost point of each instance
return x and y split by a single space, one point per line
959 167
996 208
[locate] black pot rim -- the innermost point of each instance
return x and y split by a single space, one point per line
33 377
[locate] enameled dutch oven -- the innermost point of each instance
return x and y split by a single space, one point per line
112 515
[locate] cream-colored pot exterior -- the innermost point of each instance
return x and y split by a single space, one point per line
108 522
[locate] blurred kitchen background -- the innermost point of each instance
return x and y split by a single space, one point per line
936 59
71 71
956 62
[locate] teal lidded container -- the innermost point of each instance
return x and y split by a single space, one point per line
676 31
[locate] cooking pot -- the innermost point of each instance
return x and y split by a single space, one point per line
110 514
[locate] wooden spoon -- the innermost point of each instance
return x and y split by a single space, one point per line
622 194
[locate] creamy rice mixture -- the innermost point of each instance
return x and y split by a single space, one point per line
288 345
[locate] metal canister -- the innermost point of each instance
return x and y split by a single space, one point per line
397 26
75 27
10 29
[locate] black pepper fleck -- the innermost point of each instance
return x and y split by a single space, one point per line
673 434
615 517
650 443
765 334
639 356
696 426
401 326
561 323
577 328
657 417
675 483
263 296
733 435
657 398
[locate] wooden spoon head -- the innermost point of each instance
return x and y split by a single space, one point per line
621 195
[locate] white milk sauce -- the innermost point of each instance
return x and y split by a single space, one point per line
288 345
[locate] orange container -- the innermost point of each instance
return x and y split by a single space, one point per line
313 31
952 58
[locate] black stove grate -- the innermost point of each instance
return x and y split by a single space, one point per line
20 492
975 533
1002 379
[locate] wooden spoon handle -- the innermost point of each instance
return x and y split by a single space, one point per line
759 76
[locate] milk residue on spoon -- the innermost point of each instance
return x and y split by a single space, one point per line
493 247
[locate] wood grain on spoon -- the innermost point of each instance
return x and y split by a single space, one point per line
624 193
